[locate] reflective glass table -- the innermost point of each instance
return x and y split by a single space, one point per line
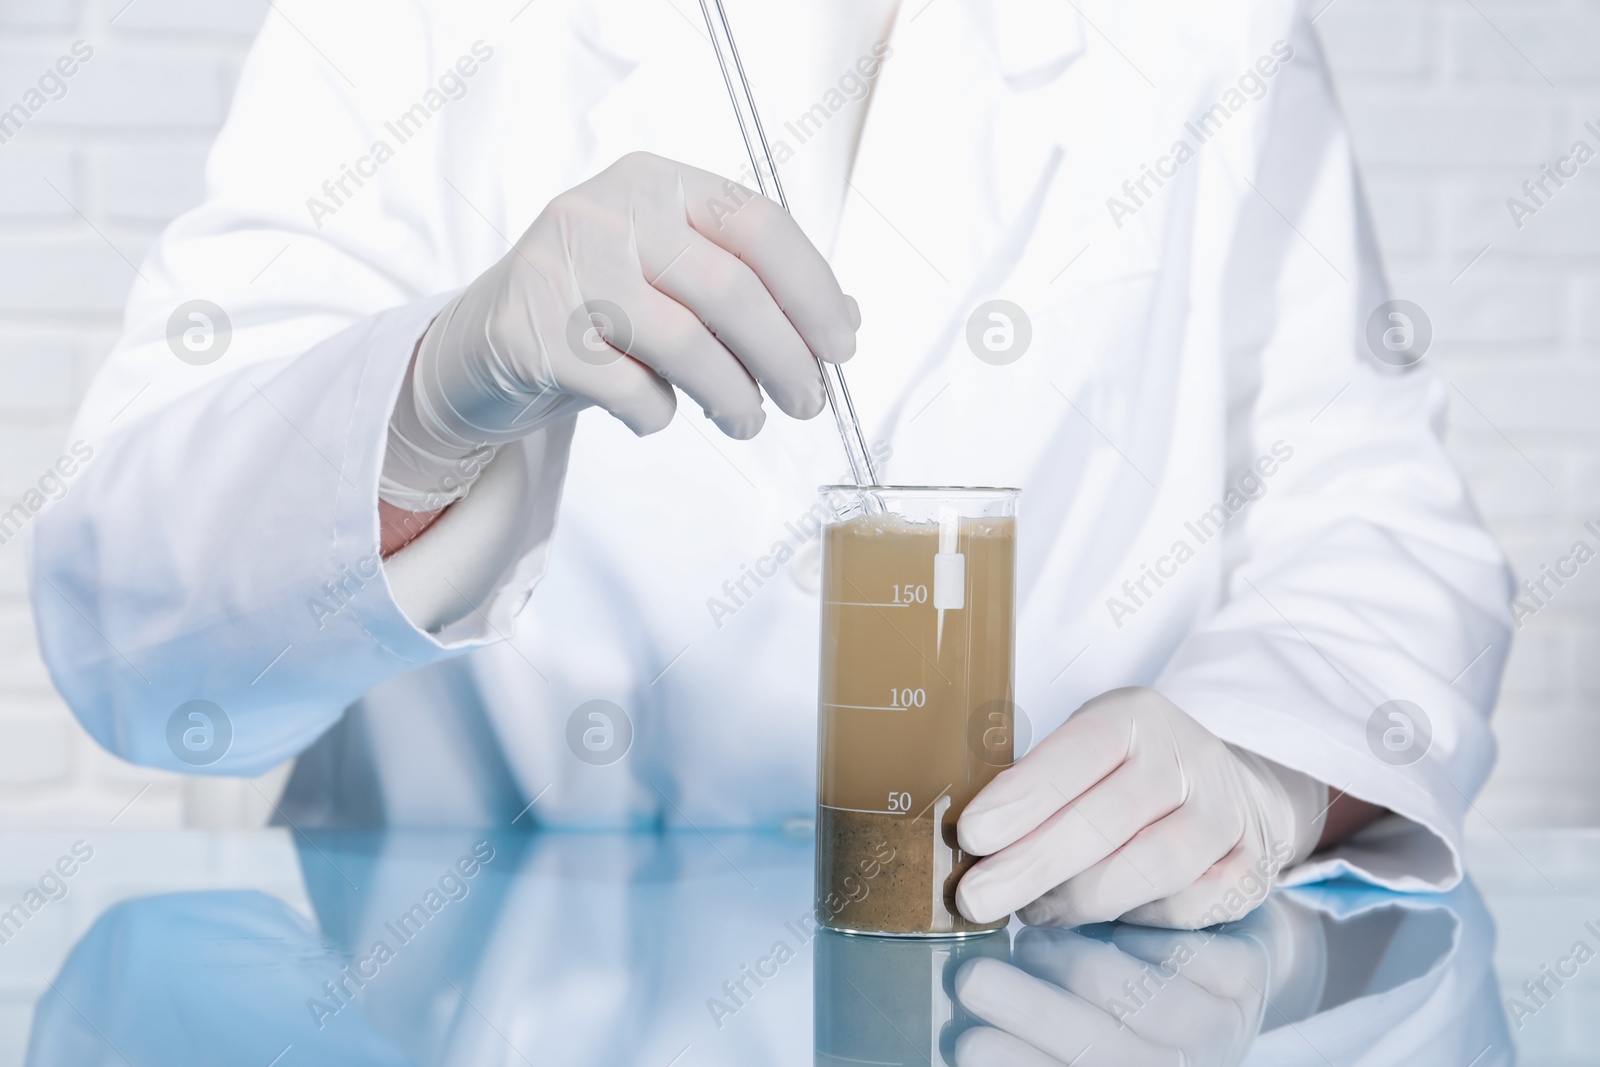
273 949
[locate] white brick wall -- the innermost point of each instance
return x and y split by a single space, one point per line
1448 120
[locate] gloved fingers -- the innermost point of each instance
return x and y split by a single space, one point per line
1220 962
1171 854
1084 899
1203 950
1078 836
1230 889
730 300
1052 1020
762 234
1095 741
526 341
637 396
1048 952
984 1046
670 340
1087 967
1152 997
1224 978
1158 861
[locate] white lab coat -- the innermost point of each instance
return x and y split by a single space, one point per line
1173 345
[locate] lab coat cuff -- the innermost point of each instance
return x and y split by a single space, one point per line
390 342
466 578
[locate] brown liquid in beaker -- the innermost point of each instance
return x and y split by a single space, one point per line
916 716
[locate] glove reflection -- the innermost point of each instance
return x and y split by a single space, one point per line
1124 995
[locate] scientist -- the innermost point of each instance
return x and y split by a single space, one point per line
400 467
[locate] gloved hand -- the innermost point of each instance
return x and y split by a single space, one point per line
1134 810
650 274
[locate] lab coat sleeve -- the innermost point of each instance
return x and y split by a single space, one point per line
221 542
1361 573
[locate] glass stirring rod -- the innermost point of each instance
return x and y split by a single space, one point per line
744 109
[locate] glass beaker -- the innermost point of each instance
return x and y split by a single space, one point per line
915 701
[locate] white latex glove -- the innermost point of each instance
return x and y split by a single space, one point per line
1133 810
649 275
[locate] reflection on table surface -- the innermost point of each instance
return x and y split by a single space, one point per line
472 948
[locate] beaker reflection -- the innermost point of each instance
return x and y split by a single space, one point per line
892 1000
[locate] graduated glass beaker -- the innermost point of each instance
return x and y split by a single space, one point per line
915 701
